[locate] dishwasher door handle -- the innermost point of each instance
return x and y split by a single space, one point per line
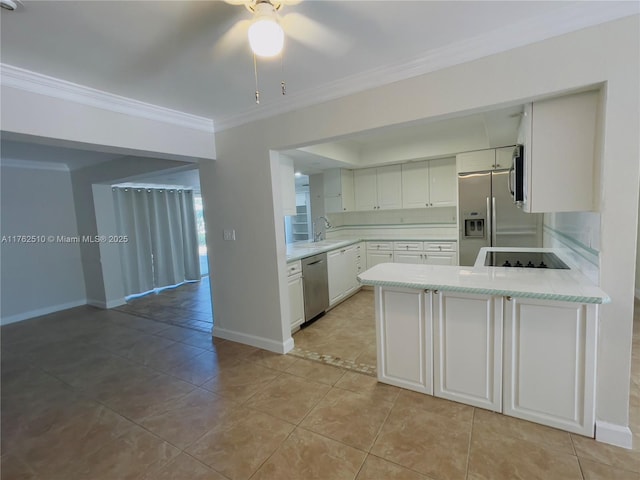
314 263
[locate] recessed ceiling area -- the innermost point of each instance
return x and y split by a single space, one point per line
422 140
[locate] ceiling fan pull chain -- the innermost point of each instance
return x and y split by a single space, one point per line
255 71
283 85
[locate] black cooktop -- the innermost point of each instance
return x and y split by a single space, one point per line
524 259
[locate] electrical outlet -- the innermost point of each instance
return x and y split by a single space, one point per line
229 235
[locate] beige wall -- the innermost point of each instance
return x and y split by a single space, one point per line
247 299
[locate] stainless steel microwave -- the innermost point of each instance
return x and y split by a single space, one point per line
516 175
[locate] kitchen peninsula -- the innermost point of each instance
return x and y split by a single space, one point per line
519 341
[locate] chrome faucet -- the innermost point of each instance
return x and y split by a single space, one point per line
317 236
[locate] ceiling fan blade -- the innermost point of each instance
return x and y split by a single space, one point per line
236 2
314 35
232 39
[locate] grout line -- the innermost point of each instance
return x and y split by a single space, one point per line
473 420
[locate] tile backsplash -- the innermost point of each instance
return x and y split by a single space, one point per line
440 215
578 234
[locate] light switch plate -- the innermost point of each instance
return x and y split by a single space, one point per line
229 234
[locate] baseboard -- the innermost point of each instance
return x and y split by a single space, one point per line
618 435
18 317
259 342
105 305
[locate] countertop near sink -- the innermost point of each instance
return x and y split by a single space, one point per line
300 250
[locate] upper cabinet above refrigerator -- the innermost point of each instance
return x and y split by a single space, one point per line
561 138
484 160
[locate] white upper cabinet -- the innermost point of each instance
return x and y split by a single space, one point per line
560 137
338 190
429 184
378 188
477 161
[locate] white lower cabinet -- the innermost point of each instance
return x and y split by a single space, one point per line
425 253
342 271
296 296
468 349
531 359
550 363
403 329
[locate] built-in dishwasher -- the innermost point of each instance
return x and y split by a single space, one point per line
315 285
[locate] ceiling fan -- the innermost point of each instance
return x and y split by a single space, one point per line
268 27
293 25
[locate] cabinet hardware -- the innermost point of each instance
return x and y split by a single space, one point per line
507 298
436 292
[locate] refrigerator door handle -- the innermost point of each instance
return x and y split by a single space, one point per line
494 224
490 223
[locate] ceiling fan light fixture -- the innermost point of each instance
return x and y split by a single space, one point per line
266 36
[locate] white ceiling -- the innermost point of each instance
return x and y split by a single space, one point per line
193 56
180 54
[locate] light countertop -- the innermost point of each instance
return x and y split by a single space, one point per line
299 250
544 284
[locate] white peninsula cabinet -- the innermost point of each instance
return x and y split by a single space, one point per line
468 348
378 188
490 347
549 363
404 333
432 183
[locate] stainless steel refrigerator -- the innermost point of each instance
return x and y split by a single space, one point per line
488 217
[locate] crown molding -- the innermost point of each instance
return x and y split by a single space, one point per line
34 165
570 18
21 79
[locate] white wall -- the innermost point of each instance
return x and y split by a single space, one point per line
248 301
38 278
40 106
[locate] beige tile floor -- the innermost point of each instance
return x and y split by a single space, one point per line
91 394
345 336
188 305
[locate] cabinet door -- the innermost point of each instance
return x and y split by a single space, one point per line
335 274
408 257
374 258
480 160
504 157
351 269
441 258
563 137
332 183
296 301
415 185
364 188
389 187
549 363
468 349
346 184
443 183
403 329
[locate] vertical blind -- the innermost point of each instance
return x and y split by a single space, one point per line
163 241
